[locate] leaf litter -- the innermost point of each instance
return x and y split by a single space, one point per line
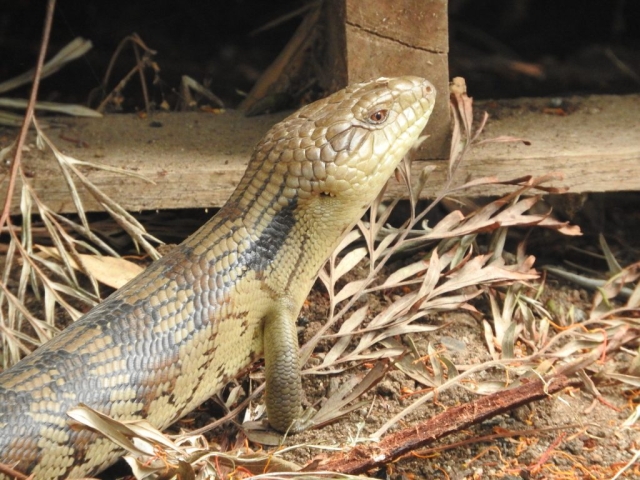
379 326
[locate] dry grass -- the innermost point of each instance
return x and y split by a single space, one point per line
523 338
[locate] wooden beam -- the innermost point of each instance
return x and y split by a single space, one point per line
197 159
348 41
193 159
389 38
595 144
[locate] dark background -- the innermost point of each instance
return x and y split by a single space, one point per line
578 46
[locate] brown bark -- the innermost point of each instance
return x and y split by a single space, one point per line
363 458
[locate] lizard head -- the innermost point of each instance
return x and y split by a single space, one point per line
314 174
318 170
346 145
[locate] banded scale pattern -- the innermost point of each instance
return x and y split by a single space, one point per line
172 337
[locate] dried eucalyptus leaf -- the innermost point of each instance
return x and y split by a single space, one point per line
509 341
411 365
404 273
69 109
114 272
485 387
634 298
632 380
350 390
115 431
348 262
73 50
435 364
612 262
349 290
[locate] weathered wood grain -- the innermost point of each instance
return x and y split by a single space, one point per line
196 159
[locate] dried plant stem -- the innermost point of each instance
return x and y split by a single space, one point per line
143 80
390 448
608 344
17 157
229 415
307 348
11 473
141 63
362 458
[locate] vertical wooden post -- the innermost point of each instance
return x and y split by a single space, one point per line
367 39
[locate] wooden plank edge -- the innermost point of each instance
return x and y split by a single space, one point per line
203 171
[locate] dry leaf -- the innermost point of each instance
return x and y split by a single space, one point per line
114 272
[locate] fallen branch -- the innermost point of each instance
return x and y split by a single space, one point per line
22 136
365 457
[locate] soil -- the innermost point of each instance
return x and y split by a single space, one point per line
569 435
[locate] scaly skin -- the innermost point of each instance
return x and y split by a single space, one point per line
172 337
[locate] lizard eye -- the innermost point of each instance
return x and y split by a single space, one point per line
378 116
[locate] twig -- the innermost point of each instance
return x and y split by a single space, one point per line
141 63
17 157
454 419
498 436
143 80
629 464
231 414
6 469
366 457
544 458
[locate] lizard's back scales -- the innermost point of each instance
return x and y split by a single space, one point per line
176 334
